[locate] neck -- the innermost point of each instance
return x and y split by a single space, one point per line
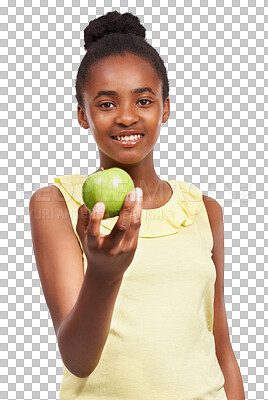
155 191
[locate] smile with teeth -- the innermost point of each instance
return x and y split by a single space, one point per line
130 138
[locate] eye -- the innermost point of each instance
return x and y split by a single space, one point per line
105 103
145 100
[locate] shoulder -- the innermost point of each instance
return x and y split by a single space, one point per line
213 208
48 203
215 216
46 194
44 190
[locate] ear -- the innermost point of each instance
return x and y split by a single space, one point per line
166 110
82 117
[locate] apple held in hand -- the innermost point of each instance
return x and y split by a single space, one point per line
108 186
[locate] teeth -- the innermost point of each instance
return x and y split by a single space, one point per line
128 138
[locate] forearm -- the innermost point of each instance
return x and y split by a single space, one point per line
83 333
233 386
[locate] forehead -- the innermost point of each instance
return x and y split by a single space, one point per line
122 73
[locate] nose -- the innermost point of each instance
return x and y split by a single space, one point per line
127 114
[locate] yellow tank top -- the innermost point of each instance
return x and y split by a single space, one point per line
161 344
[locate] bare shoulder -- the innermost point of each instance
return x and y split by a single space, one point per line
215 216
49 203
208 199
213 208
47 193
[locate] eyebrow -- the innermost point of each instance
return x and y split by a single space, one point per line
113 93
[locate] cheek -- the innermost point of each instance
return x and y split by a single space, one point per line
156 114
99 122
101 118
155 119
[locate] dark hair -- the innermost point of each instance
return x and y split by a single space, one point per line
115 33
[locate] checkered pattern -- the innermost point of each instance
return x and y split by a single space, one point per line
216 54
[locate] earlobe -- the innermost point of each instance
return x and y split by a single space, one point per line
82 118
166 112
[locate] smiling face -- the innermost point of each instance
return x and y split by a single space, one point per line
123 108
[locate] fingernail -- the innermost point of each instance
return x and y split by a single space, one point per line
132 195
99 207
139 193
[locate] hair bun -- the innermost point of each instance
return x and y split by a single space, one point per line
112 22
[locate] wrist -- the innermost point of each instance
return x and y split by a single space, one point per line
102 279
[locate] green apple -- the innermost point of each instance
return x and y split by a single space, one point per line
109 186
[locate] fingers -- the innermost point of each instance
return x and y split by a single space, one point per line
128 221
82 221
131 236
122 223
93 230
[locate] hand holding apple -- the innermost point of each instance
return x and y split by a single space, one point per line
109 256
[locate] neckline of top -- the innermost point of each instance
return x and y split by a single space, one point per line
179 211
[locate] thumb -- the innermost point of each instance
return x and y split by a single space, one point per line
82 221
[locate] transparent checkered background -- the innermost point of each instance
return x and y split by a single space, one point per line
216 138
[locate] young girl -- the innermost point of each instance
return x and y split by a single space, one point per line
132 297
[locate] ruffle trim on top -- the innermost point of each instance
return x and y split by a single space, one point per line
180 210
